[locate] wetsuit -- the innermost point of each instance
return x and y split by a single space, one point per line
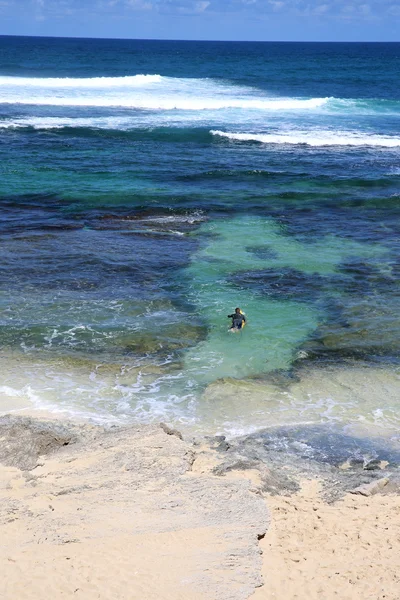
237 320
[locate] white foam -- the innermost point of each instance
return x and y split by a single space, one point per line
164 102
146 92
119 123
75 82
315 138
191 218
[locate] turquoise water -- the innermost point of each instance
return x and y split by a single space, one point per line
148 188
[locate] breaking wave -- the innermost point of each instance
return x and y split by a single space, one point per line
145 92
314 138
78 82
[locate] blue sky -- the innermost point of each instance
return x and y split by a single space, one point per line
305 20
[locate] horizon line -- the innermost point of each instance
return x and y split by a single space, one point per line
72 37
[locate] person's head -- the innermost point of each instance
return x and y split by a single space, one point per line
237 310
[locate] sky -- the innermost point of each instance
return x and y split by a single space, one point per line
263 20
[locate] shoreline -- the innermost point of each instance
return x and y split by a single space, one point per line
360 396
104 510
148 190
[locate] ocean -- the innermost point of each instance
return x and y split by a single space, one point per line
150 187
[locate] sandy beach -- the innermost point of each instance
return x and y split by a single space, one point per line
139 512
348 550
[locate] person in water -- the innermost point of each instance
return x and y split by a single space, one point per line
238 320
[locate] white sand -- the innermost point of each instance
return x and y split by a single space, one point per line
349 550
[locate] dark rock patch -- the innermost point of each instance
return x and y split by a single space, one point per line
282 284
263 252
368 329
171 431
23 440
327 445
170 338
286 455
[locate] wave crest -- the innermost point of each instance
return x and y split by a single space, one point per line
145 92
313 138
163 102
75 82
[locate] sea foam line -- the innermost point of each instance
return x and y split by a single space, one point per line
317 138
84 82
163 102
64 122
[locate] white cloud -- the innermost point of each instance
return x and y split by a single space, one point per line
321 9
394 10
201 6
184 7
366 10
139 4
276 4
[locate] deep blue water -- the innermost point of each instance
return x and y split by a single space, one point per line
149 187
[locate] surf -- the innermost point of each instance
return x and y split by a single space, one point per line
146 92
80 82
317 138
